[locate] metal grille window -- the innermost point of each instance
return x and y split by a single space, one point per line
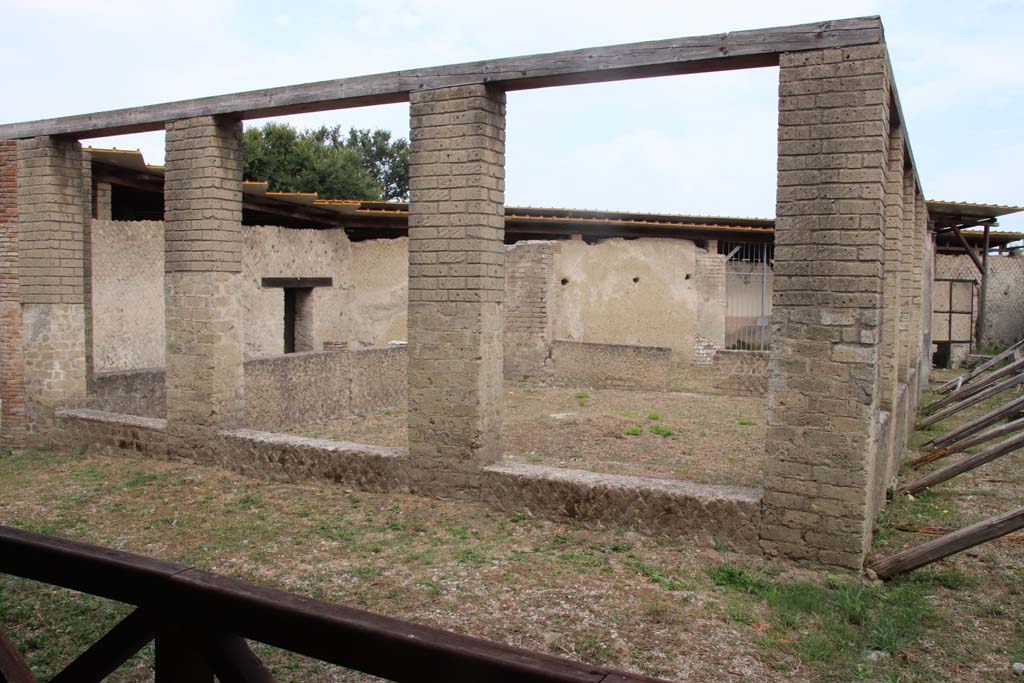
748 294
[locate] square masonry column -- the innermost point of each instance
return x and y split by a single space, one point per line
12 366
203 264
823 397
456 284
52 271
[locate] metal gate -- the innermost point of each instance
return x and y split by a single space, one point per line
748 294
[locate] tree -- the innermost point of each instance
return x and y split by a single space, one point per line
365 165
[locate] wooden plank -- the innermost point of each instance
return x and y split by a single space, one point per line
976 425
965 464
734 50
13 668
950 544
233 662
966 403
964 444
363 641
378 645
976 386
981 369
129 636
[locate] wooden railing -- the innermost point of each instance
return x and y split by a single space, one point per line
200 622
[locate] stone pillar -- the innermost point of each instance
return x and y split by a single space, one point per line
12 366
827 304
203 263
104 202
456 283
52 253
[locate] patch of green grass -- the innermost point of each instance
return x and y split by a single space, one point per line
431 587
592 649
830 626
634 431
249 501
582 395
629 413
535 457
653 574
653 416
744 422
661 430
518 517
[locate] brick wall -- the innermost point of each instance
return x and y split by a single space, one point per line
621 366
528 308
12 392
456 281
827 303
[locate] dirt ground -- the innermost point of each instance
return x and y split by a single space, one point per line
706 438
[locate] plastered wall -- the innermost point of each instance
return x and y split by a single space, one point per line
1004 321
678 294
644 292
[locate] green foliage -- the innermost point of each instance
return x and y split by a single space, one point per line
745 422
634 431
365 165
661 430
653 416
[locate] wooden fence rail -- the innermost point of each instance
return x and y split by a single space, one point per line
200 622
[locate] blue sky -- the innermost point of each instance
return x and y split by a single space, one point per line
701 144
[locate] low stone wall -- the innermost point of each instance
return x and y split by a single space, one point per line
280 391
700 514
284 457
613 366
379 379
742 373
135 392
283 391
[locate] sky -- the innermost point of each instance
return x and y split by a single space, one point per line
695 144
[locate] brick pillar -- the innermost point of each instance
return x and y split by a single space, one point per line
891 284
456 282
910 284
52 255
924 262
203 263
103 211
12 366
827 304
710 276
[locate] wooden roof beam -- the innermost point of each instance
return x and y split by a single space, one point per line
723 51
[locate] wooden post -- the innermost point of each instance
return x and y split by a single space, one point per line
983 295
947 545
974 387
965 464
180 658
129 636
13 668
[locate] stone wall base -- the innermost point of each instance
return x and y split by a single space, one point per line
701 514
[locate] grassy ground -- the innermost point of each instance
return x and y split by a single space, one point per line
673 435
605 596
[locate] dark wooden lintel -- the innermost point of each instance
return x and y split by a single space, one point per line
296 282
734 50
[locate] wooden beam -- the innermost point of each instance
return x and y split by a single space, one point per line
969 250
734 50
965 464
986 394
974 387
950 544
981 369
964 444
976 425
13 668
129 636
